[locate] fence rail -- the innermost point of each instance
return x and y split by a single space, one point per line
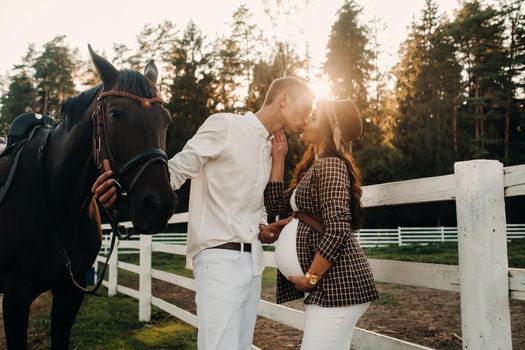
482 277
368 238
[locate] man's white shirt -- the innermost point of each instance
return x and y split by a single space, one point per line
229 163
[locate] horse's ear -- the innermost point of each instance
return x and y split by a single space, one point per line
107 73
151 71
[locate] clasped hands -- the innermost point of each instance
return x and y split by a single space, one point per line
269 234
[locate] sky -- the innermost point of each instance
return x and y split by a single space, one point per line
102 23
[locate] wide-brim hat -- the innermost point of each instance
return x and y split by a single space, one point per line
348 118
344 119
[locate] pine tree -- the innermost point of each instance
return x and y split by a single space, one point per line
479 35
54 69
427 88
284 61
247 37
514 144
348 60
193 90
374 151
20 95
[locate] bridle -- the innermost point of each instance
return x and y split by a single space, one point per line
102 150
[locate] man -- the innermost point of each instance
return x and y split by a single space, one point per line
229 163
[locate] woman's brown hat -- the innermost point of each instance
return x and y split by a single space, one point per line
345 121
349 119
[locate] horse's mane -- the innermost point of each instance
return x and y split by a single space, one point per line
71 110
136 83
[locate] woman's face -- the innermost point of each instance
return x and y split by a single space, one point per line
312 132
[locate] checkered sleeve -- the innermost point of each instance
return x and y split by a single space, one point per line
276 199
333 187
286 290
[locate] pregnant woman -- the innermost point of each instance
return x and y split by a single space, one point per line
317 252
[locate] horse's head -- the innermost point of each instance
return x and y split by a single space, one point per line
130 131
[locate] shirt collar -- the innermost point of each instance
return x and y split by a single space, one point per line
256 123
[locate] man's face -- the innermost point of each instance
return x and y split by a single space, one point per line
295 111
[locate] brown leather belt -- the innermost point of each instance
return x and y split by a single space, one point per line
234 246
309 219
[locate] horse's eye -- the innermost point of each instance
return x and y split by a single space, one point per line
113 113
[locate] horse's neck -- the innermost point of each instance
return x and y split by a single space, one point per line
69 164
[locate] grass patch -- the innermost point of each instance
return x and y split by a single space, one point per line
112 323
176 264
170 336
269 277
386 299
162 261
516 253
440 253
435 253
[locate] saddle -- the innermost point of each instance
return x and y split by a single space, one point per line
20 133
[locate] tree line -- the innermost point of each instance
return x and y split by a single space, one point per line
456 93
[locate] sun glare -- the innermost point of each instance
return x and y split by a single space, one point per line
320 86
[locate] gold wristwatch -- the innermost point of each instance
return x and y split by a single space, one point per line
312 278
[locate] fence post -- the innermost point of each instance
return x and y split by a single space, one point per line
113 271
399 237
145 279
483 265
442 234
95 272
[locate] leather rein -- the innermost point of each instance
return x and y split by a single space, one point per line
102 150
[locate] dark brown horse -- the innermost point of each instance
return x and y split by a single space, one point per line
47 196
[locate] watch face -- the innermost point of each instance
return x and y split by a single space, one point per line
311 279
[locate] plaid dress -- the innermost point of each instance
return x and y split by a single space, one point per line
325 191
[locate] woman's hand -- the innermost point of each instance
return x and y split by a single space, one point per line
279 147
301 283
104 188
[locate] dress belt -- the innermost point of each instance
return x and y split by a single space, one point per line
234 246
310 220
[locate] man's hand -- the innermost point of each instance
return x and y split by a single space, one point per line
104 188
301 283
269 234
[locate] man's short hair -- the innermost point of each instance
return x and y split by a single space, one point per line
291 84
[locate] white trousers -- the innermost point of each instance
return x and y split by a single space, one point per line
227 298
330 328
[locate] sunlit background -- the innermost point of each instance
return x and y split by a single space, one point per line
103 23
436 81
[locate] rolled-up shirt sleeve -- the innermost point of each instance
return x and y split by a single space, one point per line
208 143
334 198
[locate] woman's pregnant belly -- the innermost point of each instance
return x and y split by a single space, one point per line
286 251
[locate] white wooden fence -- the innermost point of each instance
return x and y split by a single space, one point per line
482 277
367 237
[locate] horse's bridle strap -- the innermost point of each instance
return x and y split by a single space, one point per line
149 153
144 102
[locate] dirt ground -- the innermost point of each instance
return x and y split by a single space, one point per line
423 316
419 315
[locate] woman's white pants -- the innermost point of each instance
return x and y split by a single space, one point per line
330 328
